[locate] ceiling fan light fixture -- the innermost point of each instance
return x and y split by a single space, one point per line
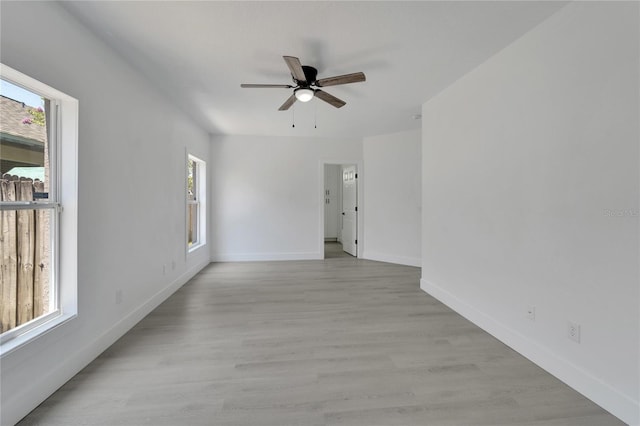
304 94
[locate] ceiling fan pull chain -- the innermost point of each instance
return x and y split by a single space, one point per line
293 117
315 115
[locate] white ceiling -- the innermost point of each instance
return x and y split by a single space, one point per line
200 52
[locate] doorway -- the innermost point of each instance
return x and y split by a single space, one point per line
340 210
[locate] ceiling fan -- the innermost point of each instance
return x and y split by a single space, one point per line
307 85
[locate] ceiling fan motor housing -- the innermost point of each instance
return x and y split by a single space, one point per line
310 74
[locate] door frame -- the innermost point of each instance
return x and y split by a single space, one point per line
320 199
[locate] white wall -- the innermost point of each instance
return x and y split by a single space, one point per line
524 159
267 195
393 197
132 163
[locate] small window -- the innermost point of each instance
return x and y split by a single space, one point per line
196 202
37 249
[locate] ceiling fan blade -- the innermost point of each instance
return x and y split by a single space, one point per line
266 86
356 77
330 99
296 68
287 104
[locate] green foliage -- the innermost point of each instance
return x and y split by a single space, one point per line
190 168
37 115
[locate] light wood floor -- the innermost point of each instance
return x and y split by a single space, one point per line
332 342
334 250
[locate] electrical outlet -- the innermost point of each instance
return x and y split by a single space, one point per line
531 313
573 331
118 297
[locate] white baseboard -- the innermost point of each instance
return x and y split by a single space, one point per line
263 257
389 258
20 404
620 405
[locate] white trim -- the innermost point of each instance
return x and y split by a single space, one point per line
17 405
29 205
610 399
263 257
64 167
18 336
200 201
390 258
29 83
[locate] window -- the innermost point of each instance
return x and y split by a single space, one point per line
38 215
196 202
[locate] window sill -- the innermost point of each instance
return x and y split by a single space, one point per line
195 248
30 335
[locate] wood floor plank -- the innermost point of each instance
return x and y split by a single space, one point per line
340 341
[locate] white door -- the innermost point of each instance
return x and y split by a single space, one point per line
350 210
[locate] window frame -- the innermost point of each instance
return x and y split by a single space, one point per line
62 202
199 172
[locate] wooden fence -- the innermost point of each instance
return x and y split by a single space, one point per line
25 259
